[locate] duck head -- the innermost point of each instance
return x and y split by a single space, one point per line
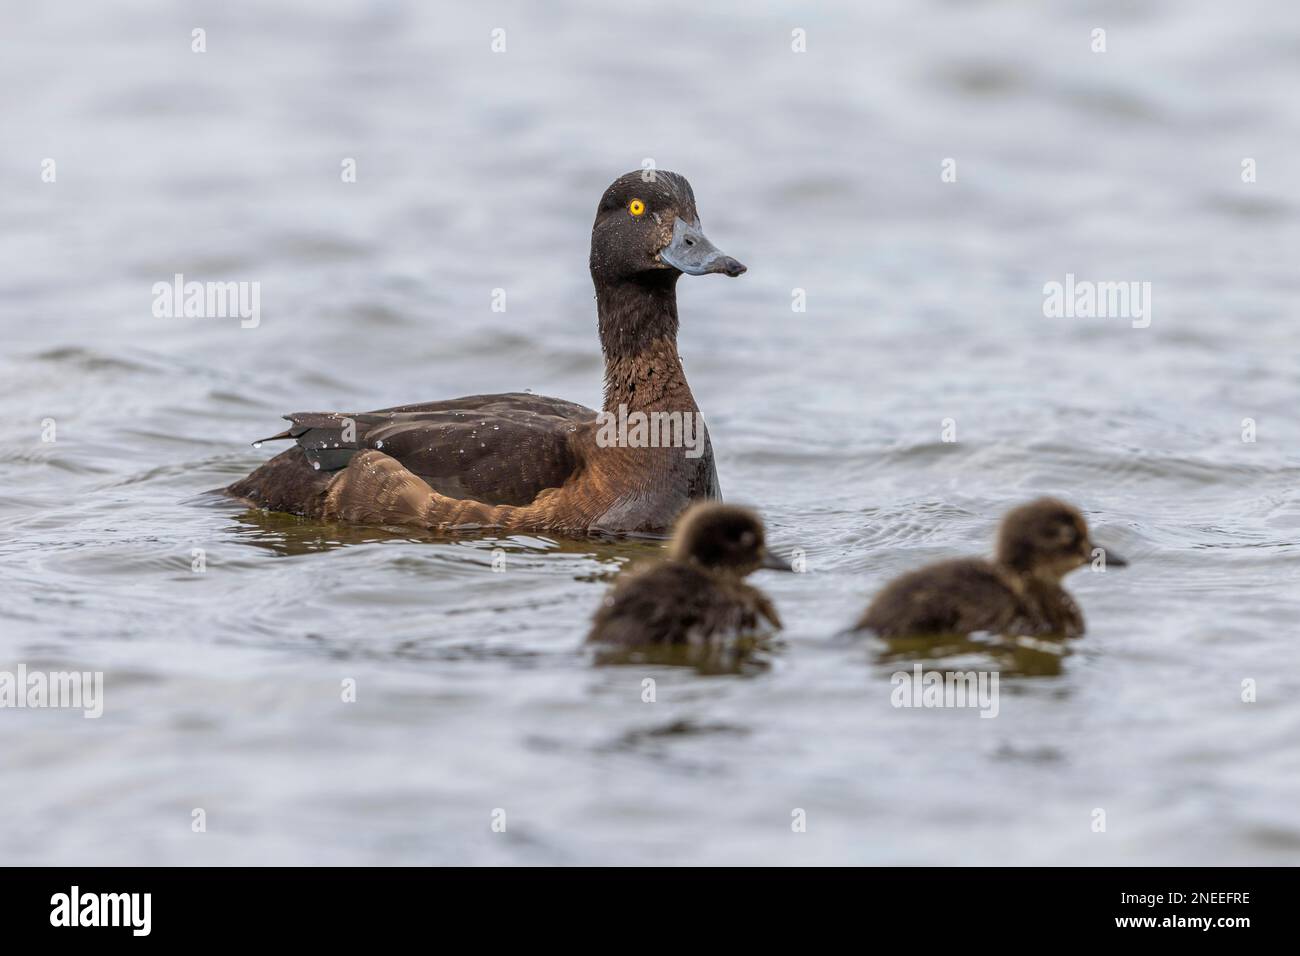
723 538
647 226
1048 538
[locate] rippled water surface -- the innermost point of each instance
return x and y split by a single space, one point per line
820 170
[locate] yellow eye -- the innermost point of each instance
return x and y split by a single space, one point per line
636 207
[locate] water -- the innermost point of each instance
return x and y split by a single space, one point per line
821 171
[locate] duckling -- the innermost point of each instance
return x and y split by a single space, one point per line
697 596
523 462
1018 593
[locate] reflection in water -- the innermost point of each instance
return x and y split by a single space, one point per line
287 534
657 739
747 655
1013 656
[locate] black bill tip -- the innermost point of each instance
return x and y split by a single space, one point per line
772 561
1112 559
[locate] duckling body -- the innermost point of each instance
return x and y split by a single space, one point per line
674 603
523 462
698 595
1019 593
966 595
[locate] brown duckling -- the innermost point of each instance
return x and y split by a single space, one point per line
1018 593
523 462
698 595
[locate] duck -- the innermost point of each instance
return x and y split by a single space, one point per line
697 595
1017 594
519 462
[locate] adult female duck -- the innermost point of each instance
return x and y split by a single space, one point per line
520 462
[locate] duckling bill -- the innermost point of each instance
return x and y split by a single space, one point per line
522 462
1018 593
698 596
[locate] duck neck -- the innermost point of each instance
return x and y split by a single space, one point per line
638 334
1026 579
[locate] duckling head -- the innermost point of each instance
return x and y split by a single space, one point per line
1047 538
723 538
647 226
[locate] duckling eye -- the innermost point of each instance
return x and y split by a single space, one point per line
636 207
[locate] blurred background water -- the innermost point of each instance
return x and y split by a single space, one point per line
479 170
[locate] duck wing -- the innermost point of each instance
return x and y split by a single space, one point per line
498 449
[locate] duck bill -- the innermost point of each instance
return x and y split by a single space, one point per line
691 252
774 563
1113 560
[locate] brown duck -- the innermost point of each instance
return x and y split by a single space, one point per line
698 596
522 462
1018 593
